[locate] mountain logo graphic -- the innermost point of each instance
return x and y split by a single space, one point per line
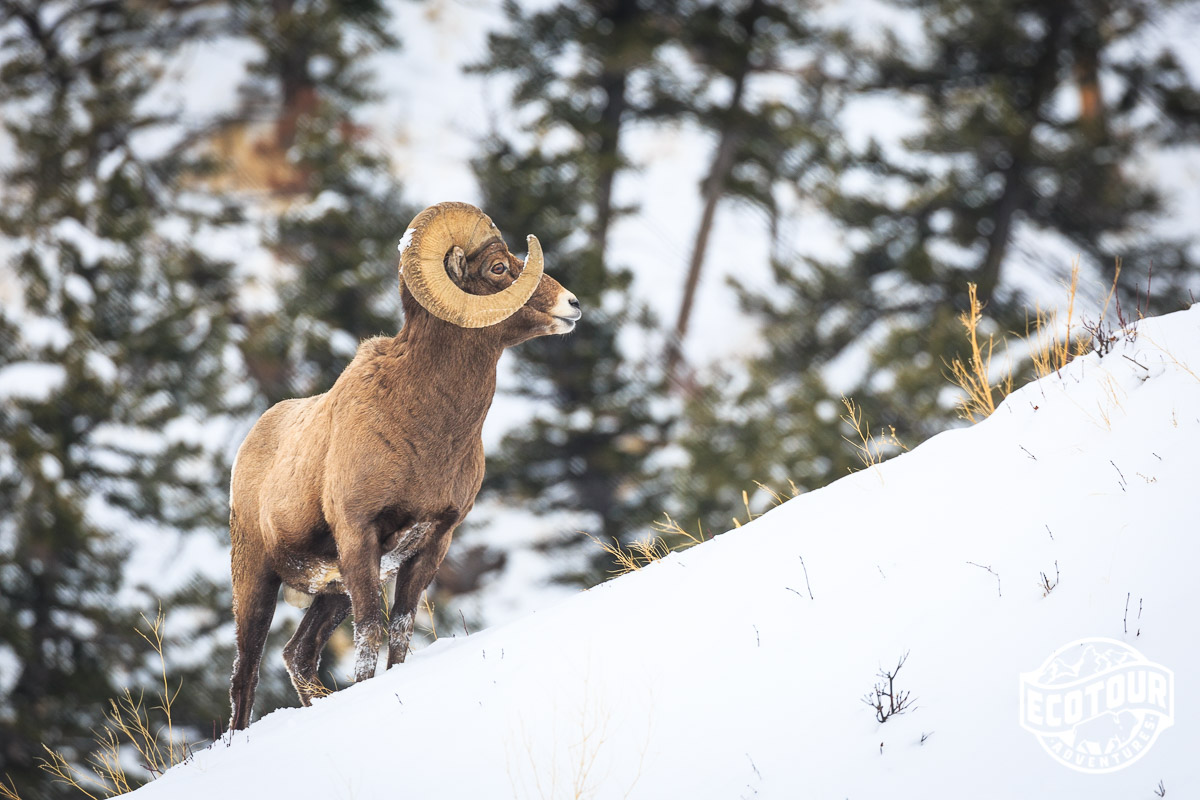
1097 705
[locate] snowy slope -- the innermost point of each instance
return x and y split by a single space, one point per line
715 674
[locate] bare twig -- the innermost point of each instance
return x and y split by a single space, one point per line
1118 469
989 569
1134 360
1047 586
806 583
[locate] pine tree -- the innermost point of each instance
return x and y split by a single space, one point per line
591 444
342 213
114 350
1002 158
764 137
755 75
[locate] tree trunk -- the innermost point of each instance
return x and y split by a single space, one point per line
997 246
614 77
1045 78
299 94
1087 77
714 189
608 156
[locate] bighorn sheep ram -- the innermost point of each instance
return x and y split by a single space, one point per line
333 495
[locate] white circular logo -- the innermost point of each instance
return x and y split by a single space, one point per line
1097 705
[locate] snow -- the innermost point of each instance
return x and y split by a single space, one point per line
51 467
92 248
31 381
43 332
738 668
101 367
405 241
10 668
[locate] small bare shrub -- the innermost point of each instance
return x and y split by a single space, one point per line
886 698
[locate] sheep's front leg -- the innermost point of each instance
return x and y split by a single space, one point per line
358 560
412 579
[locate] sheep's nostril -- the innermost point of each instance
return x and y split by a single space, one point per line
568 315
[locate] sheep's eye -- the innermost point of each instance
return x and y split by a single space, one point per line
499 268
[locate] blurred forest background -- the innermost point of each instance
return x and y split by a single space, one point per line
763 205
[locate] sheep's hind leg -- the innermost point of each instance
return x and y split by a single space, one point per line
302 654
255 593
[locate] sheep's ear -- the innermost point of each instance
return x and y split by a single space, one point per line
456 263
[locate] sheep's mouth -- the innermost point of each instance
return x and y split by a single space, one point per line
566 324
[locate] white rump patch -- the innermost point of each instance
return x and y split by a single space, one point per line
296 598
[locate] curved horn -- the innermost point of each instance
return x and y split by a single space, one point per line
422 266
